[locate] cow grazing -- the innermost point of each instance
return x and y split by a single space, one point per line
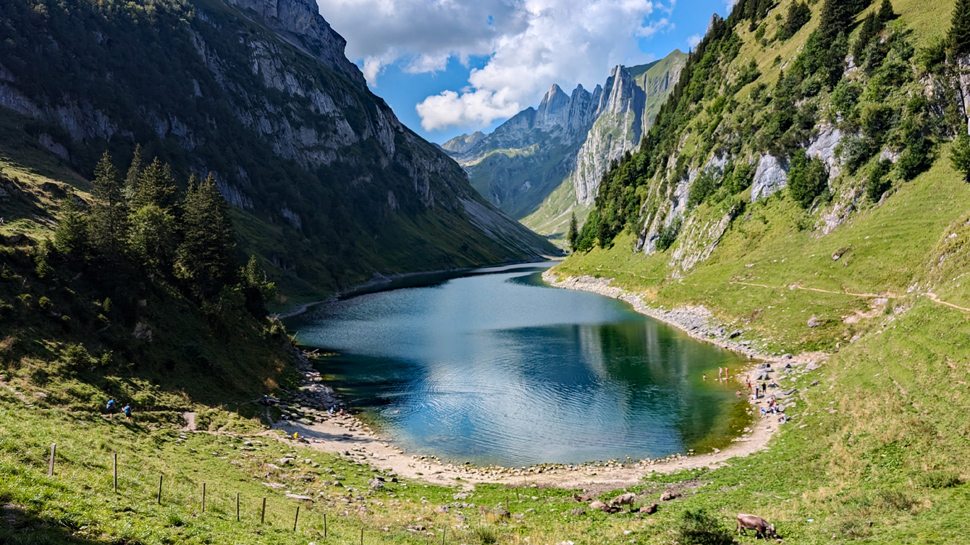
756 523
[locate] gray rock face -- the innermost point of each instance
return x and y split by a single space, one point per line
309 31
771 176
823 147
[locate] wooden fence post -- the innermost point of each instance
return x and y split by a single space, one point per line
361 535
296 518
160 489
50 468
262 514
116 473
237 506
324 526
203 497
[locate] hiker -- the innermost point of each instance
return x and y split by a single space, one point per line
127 410
764 387
111 407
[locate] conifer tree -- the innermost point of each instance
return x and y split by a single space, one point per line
835 19
960 30
886 12
134 172
153 238
870 28
109 217
206 256
256 288
573 235
156 185
71 235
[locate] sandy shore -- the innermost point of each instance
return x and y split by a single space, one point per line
352 438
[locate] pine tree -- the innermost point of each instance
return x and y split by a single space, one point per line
206 257
835 19
71 235
156 185
134 172
886 12
960 30
255 287
573 235
870 29
109 217
153 238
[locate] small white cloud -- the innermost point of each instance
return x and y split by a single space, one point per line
693 40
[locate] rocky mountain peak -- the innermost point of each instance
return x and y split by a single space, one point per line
300 23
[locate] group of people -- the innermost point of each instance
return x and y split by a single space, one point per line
112 408
723 373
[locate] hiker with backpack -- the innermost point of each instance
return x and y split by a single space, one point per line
111 407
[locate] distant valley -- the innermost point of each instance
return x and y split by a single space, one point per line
545 164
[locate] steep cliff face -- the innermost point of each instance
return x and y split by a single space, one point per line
334 188
546 162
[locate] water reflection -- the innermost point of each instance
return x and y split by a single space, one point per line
500 368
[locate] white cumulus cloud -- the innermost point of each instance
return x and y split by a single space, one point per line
529 44
693 40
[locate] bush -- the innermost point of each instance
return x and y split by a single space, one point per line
668 234
960 155
878 181
940 479
704 186
857 151
807 179
699 528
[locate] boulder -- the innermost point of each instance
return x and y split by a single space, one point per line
649 509
668 495
578 512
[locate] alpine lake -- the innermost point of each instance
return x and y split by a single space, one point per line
495 367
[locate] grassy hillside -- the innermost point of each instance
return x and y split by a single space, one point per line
867 270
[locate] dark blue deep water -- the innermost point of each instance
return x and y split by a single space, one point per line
499 368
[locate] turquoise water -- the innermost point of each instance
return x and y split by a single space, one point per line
499 368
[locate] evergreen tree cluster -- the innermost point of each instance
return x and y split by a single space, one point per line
143 225
798 15
883 103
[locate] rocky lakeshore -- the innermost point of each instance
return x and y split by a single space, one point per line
306 412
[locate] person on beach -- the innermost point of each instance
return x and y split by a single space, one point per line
720 373
764 387
111 407
127 410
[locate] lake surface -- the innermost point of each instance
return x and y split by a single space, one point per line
499 368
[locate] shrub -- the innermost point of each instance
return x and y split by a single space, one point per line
878 181
700 528
44 303
807 179
76 357
668 234
960 155
703 187
486 535
940 479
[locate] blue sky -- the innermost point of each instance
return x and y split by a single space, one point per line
449 67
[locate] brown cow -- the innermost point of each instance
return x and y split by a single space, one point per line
756 523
